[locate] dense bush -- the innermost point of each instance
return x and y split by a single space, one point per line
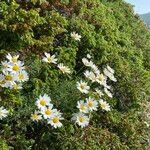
112 34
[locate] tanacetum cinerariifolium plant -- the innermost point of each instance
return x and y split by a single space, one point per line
91 103
14 74
74 75
46 110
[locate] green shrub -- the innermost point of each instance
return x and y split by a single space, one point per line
112 34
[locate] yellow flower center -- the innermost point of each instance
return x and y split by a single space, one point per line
81 119
101 77
90 104
8 77
55 119
48 112
49 59
21 76
35 116
103 105
82 107
16 68
42 102
82 86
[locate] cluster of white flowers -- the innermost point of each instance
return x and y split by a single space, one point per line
52 59
13 73
85 107
3 112
47 111
91 104
94 75
82 118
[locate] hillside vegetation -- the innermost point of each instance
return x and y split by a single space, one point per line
112 35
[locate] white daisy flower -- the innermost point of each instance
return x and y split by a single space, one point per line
12 59
36 116
83 87
81 119
92 65
99 92
9 80
43 101
64 69
22 76
104 105
76 36
48 112
87 73
81 105
86 62
90 75
101 79
91 104
109 74
108 92
110 69
49 58
3 113
16 67
55 120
